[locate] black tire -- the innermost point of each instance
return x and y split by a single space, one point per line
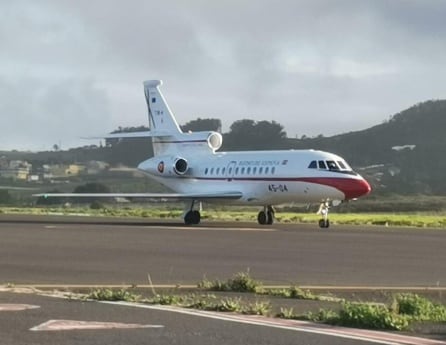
324 223
262 218
270 217
196 217
188 218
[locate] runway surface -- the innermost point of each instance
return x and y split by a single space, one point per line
98 251
78 250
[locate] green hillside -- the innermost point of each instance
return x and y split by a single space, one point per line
409 147
404 155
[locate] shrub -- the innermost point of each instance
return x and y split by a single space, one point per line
286 313
240 282
323 315
229 305
420 308
257 308
96 205
164 299
374 316
113 295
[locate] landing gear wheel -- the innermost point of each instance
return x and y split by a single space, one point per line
192 217
324 223
266 216
270 217
262 218
323 210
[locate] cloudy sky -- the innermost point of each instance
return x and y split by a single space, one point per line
75 68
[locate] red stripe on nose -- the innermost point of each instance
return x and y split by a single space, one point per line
352 188
355 188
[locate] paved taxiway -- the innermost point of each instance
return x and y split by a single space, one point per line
72 251
39 325
58 250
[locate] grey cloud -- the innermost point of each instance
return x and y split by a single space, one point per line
315 66
36 114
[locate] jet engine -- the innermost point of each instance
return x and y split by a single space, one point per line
215 140
180 166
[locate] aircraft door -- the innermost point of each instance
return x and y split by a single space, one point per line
230 170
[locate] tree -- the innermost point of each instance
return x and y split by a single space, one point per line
199 125
5 197
252 135
91 187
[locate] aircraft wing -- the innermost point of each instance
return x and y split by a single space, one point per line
171 196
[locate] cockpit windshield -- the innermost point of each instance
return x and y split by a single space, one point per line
339 165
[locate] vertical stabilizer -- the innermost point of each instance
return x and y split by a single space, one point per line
161 118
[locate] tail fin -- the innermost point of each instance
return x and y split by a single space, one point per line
161 117
167 137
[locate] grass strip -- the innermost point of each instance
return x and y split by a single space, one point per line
383 219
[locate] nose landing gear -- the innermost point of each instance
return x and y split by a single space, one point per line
324 222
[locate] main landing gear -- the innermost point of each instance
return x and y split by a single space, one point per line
191 216
323 211
266 216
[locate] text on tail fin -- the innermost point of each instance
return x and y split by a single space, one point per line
161 117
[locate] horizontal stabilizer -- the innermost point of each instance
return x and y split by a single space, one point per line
124 135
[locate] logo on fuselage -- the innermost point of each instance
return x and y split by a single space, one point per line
161 167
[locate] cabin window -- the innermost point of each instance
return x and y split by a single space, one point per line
260 170
322 165
223 171
243 171
236 171
212 171
206 171
273 170
266 170
230 171
248 170
254 170
313 165
218 171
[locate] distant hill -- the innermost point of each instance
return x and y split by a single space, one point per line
405 155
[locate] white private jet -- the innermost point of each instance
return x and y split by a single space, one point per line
189 164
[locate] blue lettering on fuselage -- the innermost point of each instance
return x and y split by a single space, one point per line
258 163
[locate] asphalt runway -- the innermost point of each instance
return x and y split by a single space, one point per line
79 250
99 251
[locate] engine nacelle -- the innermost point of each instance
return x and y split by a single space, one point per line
165 166
215 140
180 166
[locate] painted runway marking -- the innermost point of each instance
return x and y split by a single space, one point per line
298 326
70 325
17 307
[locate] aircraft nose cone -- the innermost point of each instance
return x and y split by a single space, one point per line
356 188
